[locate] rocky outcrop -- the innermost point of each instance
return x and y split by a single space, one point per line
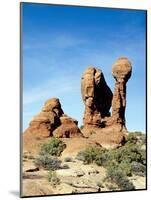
103 128
97 97
52 121
68 128
121 71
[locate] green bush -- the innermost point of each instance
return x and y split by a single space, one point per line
121 162
90 154
103 158
132 138
138 169
52 178
126 167
47 162
136 138
54 147
129 153
125 184
116 175
99 184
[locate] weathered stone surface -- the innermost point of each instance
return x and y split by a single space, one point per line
53 105
68 128
52 121
96 95
121 71
44 123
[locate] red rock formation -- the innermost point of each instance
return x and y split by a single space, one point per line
98 124
68 128
97 97
52 121
121 71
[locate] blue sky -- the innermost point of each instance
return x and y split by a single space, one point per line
59 43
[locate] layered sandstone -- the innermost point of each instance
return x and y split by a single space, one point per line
97 97
52 121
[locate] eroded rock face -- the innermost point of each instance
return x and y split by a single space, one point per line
121 71
96 95
68 128
52 121
98 98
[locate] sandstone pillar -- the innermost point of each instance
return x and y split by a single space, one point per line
121 71
96 95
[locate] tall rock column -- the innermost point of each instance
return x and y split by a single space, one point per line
121 71
96 95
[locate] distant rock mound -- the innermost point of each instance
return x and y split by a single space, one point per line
52 121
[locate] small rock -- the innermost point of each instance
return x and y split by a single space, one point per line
80 173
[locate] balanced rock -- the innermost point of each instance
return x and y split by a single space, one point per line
121 71
52 121
105 129
96 95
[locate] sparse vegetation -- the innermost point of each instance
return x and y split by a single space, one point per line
138 169
127 160
54 147
90 154
117 175
47 162
52 178
99 184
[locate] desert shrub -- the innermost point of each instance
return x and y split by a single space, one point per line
129 153
126 167
138 169
52 178
54 147
122 157
131 138
68 159
116 175
99 184
125 184
143 156
47 162
136 138
90 154
103 158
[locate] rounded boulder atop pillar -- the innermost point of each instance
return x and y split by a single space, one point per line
122 69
